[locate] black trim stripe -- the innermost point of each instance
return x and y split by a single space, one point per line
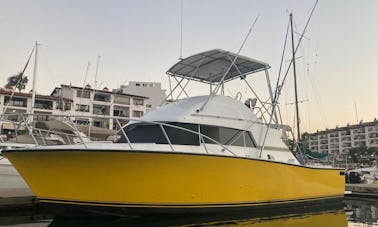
217 205
159 152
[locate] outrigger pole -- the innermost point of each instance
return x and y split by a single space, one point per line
295 79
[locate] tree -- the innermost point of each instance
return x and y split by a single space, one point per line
18 80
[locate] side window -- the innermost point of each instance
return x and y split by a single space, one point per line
143 133
211 132
152 133
249 142
230 136
227 136
182 137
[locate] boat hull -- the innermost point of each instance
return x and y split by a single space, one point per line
170 181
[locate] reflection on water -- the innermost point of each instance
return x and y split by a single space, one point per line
349 213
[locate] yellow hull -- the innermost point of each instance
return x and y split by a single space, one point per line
170 180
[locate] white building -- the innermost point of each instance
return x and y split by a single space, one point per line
87 101
341 139
152 90
22 103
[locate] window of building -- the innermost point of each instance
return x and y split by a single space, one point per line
138 85
102 97
82 108
14 114
43 104
122 100
120 111
83 94
102 123
40 116
81 121
15 101
61 105
101 109
137 113
137 101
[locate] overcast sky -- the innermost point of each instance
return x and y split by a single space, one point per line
140 40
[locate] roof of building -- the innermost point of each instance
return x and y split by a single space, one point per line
29 95
348 127
102 91
210 66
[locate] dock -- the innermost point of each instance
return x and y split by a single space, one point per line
14 192
362 190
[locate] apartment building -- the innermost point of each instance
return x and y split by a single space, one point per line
152 90
90 102
341 139
22 103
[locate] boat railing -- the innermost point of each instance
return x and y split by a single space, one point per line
40 136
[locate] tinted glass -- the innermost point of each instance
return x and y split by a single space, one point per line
149 133
210 131
182 137
143 133
249 142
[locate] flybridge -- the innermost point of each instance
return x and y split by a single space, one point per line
216 66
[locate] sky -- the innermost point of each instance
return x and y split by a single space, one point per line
139 40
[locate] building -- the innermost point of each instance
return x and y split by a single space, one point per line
75 101
152 90
100 103
340 140
22 103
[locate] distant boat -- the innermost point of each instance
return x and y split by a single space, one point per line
199 154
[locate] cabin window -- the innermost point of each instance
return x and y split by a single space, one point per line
143 133
182 137
227 136
152 133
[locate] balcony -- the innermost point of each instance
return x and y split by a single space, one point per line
102 97
43 104
101 109
122 100
120 111
334 141
15 101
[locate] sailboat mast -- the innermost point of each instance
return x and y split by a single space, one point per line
295 78
34 77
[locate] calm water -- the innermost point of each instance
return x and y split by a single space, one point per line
356 212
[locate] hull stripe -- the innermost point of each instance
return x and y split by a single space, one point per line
242 204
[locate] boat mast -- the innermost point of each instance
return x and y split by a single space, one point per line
34 77
295 78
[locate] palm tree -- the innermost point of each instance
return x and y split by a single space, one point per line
18 80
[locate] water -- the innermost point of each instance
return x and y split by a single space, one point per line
352 212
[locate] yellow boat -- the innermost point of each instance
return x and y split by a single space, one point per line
202 153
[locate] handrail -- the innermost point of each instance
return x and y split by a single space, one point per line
77 133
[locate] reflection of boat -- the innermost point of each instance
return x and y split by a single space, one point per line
204 153
334 218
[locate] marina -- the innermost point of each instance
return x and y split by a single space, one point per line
216 113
